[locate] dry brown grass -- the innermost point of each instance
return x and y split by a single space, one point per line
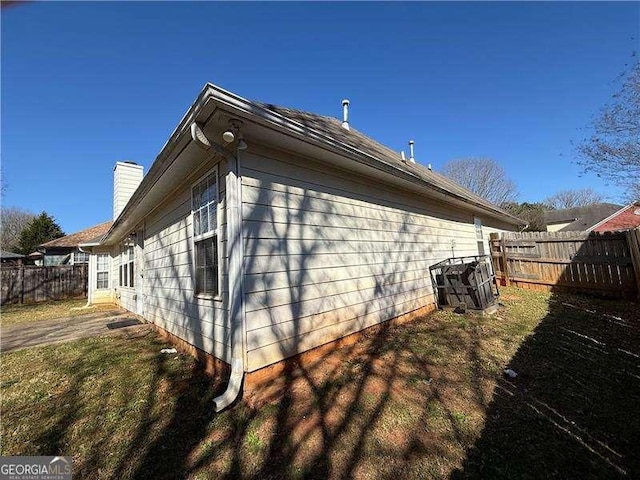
421 400
18 314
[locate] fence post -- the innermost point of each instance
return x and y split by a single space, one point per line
505 264
633 242
21 284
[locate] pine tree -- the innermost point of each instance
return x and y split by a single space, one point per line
41 229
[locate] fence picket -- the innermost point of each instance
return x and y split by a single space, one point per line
608 263
26 284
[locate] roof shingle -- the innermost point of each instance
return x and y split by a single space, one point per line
333 127
581 218
90 234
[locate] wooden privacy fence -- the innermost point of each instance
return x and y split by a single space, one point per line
607 263
26 284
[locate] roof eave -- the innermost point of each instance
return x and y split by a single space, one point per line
278 120
228 100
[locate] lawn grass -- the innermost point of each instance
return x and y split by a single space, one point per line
422 400
18 314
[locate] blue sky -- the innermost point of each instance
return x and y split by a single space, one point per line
87 84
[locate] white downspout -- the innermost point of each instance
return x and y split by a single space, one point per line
89 283
235 252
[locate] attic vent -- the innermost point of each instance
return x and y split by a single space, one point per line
345 114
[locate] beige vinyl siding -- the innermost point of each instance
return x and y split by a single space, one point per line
170 301
328 253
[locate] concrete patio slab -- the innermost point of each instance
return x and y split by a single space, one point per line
59 330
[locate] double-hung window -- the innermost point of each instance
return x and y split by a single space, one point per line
126 265
102 271
204 208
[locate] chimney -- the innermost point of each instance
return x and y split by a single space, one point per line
126 178
411 157
345 114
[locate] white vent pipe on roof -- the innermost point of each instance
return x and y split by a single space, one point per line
345 114
402 155
411 157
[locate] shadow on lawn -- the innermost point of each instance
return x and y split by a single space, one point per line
407 402
573 410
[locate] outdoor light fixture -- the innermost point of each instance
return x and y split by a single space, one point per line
228 136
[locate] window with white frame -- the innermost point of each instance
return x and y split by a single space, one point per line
80 257
126 275
478 225
204 208
102 271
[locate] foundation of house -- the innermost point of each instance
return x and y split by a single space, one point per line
268 383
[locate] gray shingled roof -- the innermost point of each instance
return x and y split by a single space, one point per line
10 255
333 127
581 218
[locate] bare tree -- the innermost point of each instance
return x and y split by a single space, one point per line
612 151
579 197
484 177
12 222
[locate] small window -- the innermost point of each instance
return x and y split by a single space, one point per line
80 257
102 271
204 208
478 224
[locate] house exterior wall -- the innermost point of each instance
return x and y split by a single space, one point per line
168 282
328 253
556 227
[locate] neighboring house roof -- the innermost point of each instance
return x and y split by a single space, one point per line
10 255
312 129
626 218
90 234
580 218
